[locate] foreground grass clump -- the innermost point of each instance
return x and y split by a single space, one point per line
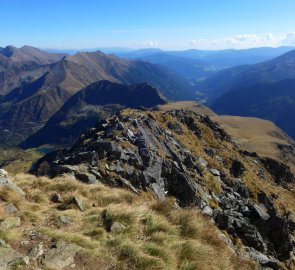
154 234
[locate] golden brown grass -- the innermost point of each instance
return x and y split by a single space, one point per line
186 105
157 235
18 160
257 135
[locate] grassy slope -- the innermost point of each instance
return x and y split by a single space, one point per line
157 235
257 135
249 133
186 105
16 160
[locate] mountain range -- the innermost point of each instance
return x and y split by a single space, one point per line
265 90
220 59
277 69
36 84
97 101
27 107
23 65
119 170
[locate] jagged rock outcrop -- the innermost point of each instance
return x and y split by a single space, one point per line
188 156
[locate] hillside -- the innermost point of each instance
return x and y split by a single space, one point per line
28 107
113 229
192 69
13 74
28 54
259 136
188 106
187 156
112 68
278 69
97 101
176 167
249 133
23 65
274 101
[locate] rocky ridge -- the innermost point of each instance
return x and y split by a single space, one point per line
188 156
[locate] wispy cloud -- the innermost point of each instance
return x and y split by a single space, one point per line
245 41
150 43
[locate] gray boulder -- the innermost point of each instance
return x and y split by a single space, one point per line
60 256
6 181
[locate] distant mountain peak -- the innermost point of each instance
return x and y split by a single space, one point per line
9 51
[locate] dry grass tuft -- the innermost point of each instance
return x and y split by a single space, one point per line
157 235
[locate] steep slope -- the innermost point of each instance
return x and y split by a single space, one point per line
23 65
113 229
250 134
274 101
112 68
260 136
280 68
14 74
86 107
28 54
25 109
187 156
28 107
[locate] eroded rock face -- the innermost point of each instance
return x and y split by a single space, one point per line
280 171
188 156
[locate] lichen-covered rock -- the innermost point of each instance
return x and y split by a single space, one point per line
6 181
10 208
60 255
8 257
8 223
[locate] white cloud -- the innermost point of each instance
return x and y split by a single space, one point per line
239 41
150 43
245 38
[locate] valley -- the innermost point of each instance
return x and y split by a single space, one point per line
114 162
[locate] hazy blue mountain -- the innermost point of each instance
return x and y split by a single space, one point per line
219 58
190 68
231 57
277 69
108 50
271 101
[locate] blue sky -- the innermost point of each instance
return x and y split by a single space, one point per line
167 24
